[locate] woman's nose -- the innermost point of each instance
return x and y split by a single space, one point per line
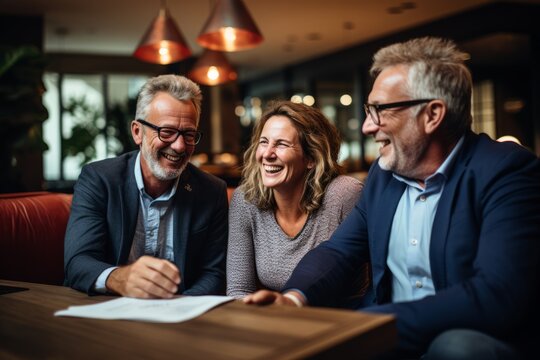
269 151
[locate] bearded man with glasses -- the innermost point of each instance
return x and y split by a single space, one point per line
448 219
148 224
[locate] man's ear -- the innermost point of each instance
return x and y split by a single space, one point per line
136 132
435 112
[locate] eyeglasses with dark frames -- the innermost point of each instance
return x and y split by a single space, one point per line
374 109
169 135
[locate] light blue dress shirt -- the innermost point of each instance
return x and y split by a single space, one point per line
154 230
408 251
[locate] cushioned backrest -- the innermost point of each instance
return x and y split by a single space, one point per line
230 191
32 228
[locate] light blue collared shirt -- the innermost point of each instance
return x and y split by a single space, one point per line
410 237
154 229
155 223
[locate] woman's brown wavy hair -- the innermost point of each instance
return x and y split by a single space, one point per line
320 143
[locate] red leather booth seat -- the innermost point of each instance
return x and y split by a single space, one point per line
32 228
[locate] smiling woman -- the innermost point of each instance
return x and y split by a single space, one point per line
291 198
283 162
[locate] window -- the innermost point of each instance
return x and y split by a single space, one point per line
483 108
89 117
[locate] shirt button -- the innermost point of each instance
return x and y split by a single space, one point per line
151 233
414 242
418 284
422 198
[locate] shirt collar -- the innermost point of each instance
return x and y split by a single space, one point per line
446 166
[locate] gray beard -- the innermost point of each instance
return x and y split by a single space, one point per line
157 170
406 160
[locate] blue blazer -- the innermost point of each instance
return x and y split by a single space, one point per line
484 250
104 214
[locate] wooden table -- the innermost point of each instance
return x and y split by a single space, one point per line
234 330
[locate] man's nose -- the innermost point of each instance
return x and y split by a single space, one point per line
369 127
178 145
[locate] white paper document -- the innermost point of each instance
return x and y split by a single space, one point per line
165 311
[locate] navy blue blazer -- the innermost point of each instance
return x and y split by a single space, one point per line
104 214
484 250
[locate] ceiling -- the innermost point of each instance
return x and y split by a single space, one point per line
293 30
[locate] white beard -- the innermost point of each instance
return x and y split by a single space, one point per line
156 169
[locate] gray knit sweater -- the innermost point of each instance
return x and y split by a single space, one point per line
261 254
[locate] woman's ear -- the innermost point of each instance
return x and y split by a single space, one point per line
435 112
136 132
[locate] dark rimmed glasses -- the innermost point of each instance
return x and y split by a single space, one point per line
169 135
373 109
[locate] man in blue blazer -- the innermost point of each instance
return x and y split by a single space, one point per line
148 224
449 220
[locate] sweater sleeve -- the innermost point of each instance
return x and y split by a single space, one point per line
241 271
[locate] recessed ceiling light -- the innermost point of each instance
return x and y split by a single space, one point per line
399 9
408 5
348 25
394 10
313 36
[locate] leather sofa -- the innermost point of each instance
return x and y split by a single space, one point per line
32 228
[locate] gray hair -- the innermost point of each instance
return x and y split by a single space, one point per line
179 87
436 70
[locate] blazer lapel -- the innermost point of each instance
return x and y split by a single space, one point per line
129 209
184 198
443 216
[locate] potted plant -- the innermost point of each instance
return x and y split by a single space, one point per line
21 115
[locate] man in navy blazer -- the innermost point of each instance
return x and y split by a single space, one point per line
148 224
449 220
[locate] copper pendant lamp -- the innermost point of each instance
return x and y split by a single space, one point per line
230 27
212 68
163 42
